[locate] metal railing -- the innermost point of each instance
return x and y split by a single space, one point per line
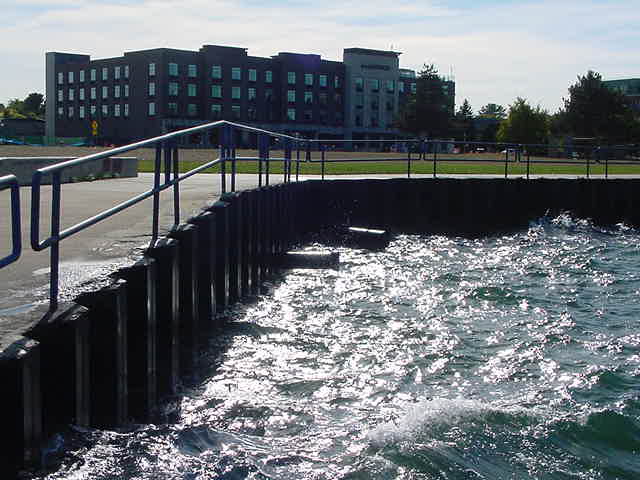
10 181
298 151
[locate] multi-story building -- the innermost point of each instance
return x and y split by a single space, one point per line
149 92
630 88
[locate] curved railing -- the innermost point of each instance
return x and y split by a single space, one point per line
10 181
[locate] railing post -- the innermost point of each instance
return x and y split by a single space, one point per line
298 162
266 159
156 195
409 160
322 159
606 164
528 162
287 159
16 231
224 150
176 186
588 166
435 156
54 277
261 153
506 162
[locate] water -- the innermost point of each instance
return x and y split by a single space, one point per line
509 357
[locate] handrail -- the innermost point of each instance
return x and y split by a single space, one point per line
167 159
10 181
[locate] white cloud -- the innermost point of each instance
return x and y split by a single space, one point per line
498 51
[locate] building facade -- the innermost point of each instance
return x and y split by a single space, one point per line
630 88
150 92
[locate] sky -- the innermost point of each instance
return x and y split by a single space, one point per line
497 50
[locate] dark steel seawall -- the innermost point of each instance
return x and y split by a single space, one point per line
114 354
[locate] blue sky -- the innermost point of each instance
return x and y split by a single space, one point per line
497 49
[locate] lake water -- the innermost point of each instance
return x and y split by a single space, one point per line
506 357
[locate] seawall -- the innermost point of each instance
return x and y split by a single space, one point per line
113 355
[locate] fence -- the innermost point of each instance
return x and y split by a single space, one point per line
167 175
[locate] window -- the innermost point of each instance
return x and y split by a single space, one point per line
105 110
359 100
252 113
268 94
235 93
235 112
358 120
105 92
291 114
71 94
308 98
374 121
70 77
191 90
308 115
116 91
374 85
236 73
173 89
374 104
93 110
192 109
92 75
323 98
253 75
413 87
308 79
268 76
152 69
251 94
291 78
60 111
172 108
81 76
93 93
70 112
291 96
81 94
126 91
337 98
216 91
322 80
60 95
323 116
116 73
390 86
192 71
116 110
173 69
216 111
60 78
400 86
105 73
152 89
336 82
216 71
389 105
126 71
359 84
126 109
81 111
152 108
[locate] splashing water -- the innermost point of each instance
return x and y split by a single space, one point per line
506 357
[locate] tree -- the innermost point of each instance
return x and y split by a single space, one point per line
33 105
493 110
464 121
593 110
427 112
524 124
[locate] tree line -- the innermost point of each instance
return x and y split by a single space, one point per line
32 106
591 110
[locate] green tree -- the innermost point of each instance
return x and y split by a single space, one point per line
493 110
464 122
524 124
14 109
33 105
593 110
427 111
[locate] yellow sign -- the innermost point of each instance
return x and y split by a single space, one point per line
94 128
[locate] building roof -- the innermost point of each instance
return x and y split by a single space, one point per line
367 51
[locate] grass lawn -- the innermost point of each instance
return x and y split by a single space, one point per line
372 163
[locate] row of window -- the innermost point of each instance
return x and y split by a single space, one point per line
375 84
118 91
117 111
119 72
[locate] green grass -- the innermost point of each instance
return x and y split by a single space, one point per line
417 167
